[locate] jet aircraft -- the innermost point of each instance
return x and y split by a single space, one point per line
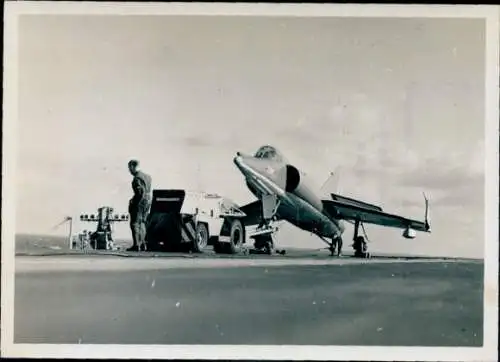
284 193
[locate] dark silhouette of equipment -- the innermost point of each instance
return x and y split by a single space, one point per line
186 220
102 237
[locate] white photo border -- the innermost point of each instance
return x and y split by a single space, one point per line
488 352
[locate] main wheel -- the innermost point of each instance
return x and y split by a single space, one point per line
336 246
201 240
236 236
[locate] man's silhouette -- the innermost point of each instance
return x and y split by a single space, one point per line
139 205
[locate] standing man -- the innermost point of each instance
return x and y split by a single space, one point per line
339 243
139 205
336 247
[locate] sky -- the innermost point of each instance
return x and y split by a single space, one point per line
393 106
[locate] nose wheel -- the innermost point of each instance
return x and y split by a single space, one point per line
335 246
263 240
332 250
263 235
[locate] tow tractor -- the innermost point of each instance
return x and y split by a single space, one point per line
190 221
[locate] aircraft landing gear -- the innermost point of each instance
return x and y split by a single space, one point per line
263 244
263 239
339 243
335 247
263 235
360 247
332 250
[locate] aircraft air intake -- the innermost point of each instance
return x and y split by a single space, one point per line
292 178
297 184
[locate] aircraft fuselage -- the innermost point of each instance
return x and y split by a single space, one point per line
299 204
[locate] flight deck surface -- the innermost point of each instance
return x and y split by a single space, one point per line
303 300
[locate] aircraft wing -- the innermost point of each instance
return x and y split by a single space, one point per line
353 210
253 212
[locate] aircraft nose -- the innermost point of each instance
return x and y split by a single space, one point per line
246 164
238 160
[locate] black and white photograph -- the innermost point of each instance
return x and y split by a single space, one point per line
250 181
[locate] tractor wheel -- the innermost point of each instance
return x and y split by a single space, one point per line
201 240
237 237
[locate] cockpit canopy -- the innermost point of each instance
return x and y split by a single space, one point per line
269 153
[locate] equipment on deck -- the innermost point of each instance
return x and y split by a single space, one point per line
181 220
102 237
